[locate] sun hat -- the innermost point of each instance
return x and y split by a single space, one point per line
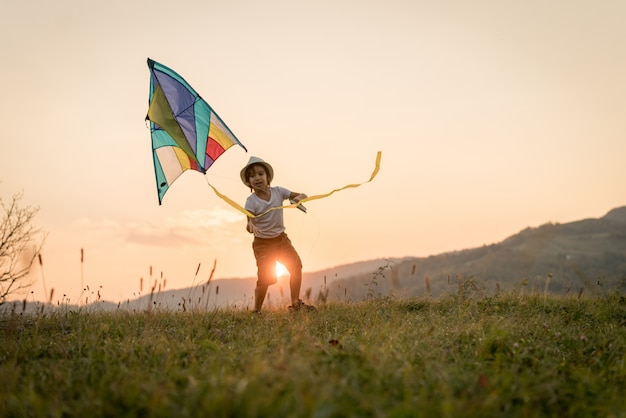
256 160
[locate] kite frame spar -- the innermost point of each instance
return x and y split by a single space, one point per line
186 132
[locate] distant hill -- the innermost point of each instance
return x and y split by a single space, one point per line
239 292
587 256
617 215
584 256
559 258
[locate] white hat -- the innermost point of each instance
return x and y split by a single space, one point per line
256 160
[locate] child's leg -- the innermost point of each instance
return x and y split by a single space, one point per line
266 271
266 274
259 296
295 282
291 260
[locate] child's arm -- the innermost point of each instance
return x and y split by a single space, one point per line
296 197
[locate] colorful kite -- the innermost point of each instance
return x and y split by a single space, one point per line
186 132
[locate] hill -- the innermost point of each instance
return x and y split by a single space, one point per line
582 256
239 292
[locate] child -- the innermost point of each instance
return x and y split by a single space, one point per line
271 244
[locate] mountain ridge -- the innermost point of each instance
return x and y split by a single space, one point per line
587 255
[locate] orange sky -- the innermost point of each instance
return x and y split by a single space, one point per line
491 117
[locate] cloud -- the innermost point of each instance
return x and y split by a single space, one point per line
190 227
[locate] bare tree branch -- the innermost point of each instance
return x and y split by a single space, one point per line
18 245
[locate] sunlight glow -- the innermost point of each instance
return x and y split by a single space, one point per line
281 270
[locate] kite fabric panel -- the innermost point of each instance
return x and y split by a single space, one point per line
186 132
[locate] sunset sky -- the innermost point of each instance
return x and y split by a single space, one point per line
491 117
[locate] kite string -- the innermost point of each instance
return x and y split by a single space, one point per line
312 240
294 205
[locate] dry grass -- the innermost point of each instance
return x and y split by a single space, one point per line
507 355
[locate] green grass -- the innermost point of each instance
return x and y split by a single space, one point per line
509 356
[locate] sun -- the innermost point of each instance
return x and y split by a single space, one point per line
281 270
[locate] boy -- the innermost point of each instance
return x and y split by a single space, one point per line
271 243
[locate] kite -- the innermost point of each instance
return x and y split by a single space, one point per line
187 134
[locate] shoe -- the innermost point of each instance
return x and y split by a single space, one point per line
301 306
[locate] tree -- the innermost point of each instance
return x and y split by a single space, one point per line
18 245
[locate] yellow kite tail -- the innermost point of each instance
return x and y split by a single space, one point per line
232 202
307 199
321 196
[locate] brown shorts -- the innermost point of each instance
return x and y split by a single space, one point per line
268 251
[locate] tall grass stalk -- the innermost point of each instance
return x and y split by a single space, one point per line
43 278
208 285
193 287
82 270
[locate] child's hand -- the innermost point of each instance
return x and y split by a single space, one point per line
251 227
296 199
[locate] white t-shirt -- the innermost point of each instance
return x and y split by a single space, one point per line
272 223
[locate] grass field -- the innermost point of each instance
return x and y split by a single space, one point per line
506 355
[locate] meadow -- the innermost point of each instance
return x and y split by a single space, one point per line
506 355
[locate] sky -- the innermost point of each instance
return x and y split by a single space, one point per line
491 117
